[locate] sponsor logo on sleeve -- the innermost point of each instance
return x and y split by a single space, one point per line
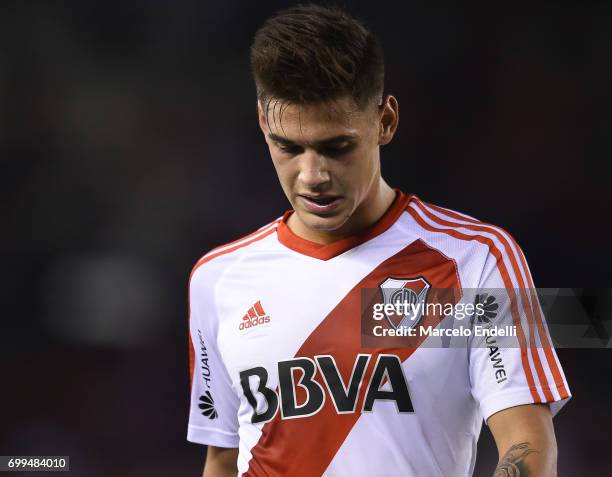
489 312
207 403
486 303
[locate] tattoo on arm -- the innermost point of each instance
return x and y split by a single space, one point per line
513 462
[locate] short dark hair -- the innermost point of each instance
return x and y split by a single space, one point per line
310 53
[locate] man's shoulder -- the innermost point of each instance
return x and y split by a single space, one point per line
437 220
222 256
462 236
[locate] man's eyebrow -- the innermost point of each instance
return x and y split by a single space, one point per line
323 142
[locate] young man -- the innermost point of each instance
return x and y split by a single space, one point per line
288 380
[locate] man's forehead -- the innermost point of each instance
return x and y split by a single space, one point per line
329 119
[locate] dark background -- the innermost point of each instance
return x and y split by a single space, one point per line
129 147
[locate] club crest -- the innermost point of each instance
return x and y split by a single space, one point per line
408 295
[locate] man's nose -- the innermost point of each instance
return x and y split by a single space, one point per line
313 169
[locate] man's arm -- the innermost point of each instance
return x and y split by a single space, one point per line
221 462
525 440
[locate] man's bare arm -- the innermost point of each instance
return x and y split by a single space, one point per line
525 440
221 462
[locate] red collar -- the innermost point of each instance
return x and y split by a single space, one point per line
331 250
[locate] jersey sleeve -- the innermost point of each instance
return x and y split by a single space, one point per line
213 412
519 365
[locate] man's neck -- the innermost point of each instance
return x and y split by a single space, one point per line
368 213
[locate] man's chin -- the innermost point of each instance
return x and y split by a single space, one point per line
322 223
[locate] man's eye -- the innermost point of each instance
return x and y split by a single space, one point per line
338 150
290 149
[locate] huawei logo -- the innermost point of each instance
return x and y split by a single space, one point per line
488 306
207 405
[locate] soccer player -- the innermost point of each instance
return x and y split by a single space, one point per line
287 378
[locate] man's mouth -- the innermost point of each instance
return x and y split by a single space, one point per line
320 203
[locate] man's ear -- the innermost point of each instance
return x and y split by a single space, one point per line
389 119
261 117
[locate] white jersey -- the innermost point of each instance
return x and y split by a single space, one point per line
284 367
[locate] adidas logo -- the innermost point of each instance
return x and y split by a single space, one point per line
255 316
